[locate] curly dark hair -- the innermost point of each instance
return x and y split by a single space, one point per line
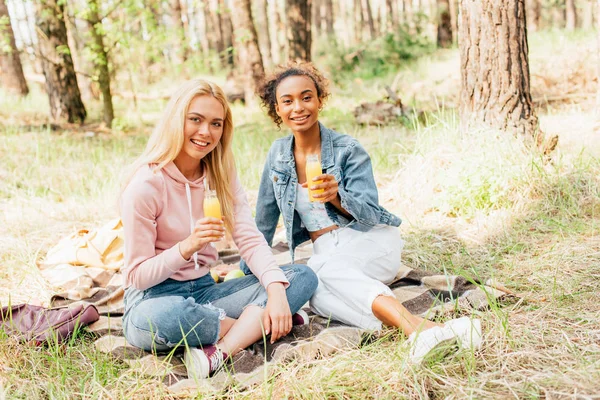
268 88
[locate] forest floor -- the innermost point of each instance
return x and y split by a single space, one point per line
473 203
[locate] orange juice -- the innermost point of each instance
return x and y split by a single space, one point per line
313 168
212 207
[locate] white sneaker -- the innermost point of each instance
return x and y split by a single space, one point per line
464 331
200 363
467 331
424 342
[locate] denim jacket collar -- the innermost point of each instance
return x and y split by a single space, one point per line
327 157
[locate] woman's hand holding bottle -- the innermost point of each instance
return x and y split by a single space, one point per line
207 230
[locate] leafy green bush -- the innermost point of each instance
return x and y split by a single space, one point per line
377 57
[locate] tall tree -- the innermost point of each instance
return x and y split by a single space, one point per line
454 20
359 22
317 19
598 51
100 59
264 36
571 14
495 66
179 48
444 28
368 17
392 16
61 81
227 33
247 43
11 70
298 29
329 18
559 15
534 12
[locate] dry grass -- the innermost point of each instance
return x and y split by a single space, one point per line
473 203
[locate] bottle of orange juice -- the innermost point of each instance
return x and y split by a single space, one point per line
313 168
212 207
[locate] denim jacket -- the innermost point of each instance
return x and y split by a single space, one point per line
341 156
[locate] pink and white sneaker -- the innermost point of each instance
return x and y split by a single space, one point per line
201 363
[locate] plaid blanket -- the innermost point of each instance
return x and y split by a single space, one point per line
425 293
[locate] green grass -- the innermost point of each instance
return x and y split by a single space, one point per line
473 203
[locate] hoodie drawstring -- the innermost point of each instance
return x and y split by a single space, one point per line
189 200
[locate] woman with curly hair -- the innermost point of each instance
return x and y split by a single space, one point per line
356 242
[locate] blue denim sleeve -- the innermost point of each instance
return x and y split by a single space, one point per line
358 191
267 210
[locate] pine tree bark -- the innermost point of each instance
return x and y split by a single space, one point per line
100 61
227 33
299 30
262 29
495 67
571 15
247 44
444 28
57 64
11 69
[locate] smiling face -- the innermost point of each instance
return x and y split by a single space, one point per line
202 129
298 103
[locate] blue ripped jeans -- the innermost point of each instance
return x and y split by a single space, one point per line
178 313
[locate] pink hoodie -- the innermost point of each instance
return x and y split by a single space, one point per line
156 217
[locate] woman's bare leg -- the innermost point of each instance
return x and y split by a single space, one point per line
247 329
389 311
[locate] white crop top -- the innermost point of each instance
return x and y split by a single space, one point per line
313 214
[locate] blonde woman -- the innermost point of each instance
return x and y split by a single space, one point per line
170 298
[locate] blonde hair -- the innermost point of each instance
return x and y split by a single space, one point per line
167 139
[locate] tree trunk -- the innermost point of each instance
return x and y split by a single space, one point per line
100 60
11 70
317 19
298 29
358 22
407 12
227 33
247 43
559 14
179 48
495 67
444 29
368 17
571 15
598 52
534 12
587 15
264 37
61 81
329 18
454 20
392 16
216 30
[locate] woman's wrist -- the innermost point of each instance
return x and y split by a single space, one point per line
275 288
184 250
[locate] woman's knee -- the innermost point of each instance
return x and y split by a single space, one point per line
173 321
301 276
